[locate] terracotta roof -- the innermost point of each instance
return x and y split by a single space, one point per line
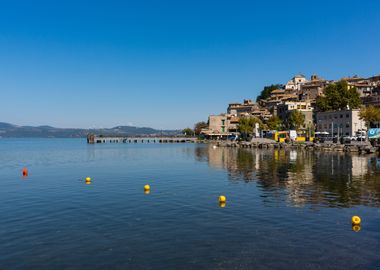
277 91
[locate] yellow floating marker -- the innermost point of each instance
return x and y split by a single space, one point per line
222 199
356 220
222 204
146 188
356 228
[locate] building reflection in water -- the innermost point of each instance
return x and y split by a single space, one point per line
304 177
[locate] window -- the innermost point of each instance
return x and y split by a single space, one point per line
347 115
341 116
347 125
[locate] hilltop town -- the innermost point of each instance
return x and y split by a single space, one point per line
340 108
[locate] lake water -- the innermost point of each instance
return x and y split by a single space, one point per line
284 210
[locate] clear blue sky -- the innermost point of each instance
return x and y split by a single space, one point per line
168 64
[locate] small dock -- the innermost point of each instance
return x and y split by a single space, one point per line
92 139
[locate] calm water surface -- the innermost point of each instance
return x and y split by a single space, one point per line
285 209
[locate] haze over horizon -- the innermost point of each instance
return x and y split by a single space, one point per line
169 64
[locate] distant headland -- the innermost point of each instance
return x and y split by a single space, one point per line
14 131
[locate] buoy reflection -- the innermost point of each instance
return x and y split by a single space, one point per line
356 228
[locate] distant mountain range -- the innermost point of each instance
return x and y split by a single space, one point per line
13 131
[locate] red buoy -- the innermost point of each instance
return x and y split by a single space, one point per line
25 172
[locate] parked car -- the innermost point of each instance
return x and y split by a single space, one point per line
347 139
361 135
233 137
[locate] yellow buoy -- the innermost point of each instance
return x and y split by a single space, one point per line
355 220
146 187
222 199
356 228
222 204
88 179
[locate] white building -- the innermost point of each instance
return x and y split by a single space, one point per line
342 123
296 82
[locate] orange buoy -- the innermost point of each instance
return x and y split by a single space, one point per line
25 171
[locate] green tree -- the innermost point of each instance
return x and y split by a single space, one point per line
199 126
247 124
274 123
296 119
265 93
188 132
370 115
337 96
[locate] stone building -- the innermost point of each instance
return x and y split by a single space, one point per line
247 109
221 126
284 110
374 81
279 96
262 113
237 108
312 89
369 90
372 99
217 124
344 122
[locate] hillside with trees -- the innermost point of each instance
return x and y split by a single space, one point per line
339 96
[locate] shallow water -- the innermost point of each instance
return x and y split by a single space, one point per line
285 209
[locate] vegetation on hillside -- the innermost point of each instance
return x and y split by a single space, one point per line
199 126
370 115
188 132
339 96
265 93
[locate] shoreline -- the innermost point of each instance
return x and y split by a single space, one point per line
365 148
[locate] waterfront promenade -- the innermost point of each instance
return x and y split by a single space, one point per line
262 143
92 139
